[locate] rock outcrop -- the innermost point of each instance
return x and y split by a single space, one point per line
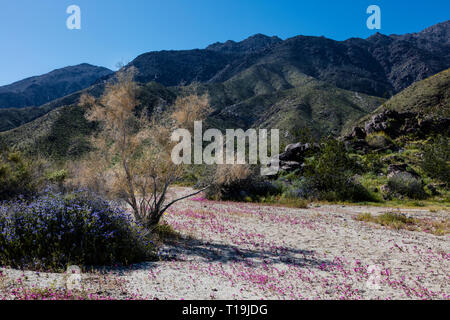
395 124
294 155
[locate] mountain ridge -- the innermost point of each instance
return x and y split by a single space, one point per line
379 65
38 90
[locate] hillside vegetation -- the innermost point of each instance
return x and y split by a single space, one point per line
248 100
430 97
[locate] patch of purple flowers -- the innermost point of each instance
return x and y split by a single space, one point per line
55 230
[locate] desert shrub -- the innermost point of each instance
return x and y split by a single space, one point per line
53 231
165 231
372 162
298 188
57 178
436 159
399 221
356 192
16 175
283 200
288 192
331 168
379 140
238 182
405 184
131 148
330 174
392 219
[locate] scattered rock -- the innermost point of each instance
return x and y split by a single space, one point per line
396 124
297 151
386 191
357 144
290 165
433 190
294 155
358 133
387 121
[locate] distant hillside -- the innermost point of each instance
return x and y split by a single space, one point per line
64 132
61 132
11 118
36 91
261 82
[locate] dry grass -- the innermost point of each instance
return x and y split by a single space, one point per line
3 281
279 201
400 221
165 231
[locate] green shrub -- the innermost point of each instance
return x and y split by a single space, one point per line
372 162
299 188
379 140
16 175
331 167
239 183
330 174
407 185
436 159
399 221
57 177
165 231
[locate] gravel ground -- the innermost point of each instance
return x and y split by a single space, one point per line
249 251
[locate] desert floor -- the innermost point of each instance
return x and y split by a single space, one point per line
250 251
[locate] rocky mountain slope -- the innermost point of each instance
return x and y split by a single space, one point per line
421 110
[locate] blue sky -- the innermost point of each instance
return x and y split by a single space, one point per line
35 39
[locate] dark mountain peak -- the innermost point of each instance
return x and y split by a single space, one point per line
437 33
252 44
262 37
379 38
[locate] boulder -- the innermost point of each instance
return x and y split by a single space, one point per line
358 133
395 169
297 151
385 121
290 165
